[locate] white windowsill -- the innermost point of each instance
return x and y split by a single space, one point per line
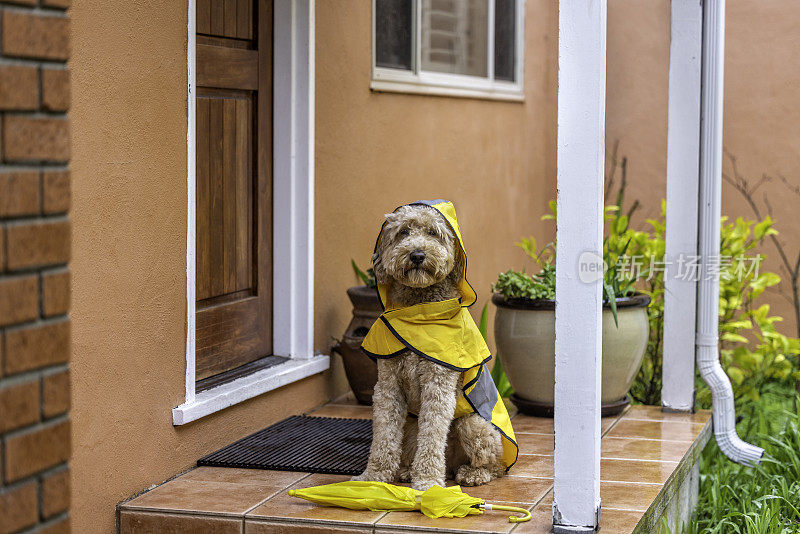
438 84
247 387
434 90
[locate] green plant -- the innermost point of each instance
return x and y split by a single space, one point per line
519 285
367 277
752 350
764 499
618 279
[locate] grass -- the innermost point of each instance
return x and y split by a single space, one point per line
762 499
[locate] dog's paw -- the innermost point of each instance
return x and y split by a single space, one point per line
371 476
423 485
466 475
404 474
363 477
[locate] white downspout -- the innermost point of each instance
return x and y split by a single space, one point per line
724 417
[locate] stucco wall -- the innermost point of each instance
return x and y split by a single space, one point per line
761 121
374 151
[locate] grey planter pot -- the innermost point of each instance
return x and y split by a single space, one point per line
524 332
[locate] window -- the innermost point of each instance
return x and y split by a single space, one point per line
467 48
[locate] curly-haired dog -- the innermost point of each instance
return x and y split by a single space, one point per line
420 267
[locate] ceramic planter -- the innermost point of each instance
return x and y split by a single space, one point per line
361 371
525 336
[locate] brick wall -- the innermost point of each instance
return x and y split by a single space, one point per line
34 279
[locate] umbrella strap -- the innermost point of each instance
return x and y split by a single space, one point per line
526 515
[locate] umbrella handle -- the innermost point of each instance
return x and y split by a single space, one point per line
526 515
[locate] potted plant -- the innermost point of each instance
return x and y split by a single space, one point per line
525 321
361 371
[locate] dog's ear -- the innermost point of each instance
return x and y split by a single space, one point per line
458 267
380 273
377 267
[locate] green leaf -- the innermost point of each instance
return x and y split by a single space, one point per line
368 279
482 326
612 301
734 338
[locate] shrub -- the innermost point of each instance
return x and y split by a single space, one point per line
752 350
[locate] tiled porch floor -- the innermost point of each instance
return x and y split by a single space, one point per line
640 452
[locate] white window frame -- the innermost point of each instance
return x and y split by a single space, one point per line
293 214
423 82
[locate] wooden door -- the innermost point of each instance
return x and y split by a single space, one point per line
234 184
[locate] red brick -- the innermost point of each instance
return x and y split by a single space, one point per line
55 89
36 450
60 526
35 138
55 394
31 348
20 87
19 405
55 293
19 193
19 299
18 507
56 191
55 493
37 244
34 35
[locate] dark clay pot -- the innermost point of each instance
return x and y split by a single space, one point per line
361 371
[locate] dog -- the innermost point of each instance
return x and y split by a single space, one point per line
418 259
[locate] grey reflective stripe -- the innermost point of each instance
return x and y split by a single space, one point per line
483 396
430 202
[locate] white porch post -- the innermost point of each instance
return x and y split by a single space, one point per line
683 170
579 268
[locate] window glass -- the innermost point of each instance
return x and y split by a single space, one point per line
504 39
454 36
393 36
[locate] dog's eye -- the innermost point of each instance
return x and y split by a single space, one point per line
432 233
404 231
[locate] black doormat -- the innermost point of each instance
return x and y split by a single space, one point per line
301 443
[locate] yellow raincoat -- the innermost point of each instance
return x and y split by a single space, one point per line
444 332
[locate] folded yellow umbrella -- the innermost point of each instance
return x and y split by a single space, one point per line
382 497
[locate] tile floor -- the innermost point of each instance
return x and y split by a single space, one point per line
640 449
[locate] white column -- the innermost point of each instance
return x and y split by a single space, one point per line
683 170
581 152
710 208
293 179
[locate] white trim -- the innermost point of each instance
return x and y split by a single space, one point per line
293 184
579 264
683 183
221 397
293 216
417 81
191 181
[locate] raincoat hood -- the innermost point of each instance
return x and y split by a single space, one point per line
447 210
445 333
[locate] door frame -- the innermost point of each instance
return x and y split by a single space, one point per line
293 217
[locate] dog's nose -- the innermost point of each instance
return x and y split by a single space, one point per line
417 257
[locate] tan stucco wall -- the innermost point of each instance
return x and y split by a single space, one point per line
495 160
762 115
